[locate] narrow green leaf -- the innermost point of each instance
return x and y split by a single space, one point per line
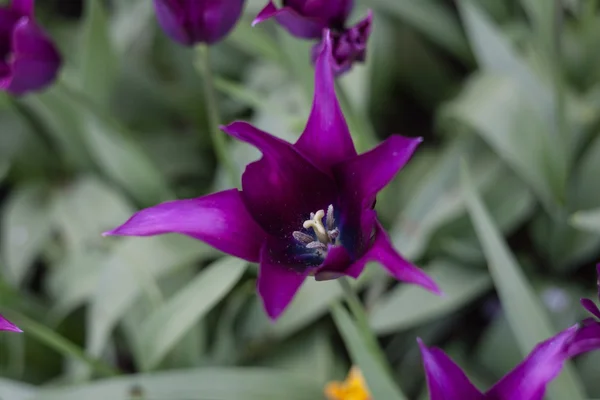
208 383
99 61
167 325
397 311
380 384
525 313
433 20
12 390
26 226
587 220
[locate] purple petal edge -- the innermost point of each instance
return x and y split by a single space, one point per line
6 325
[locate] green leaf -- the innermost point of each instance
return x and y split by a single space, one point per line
133 263
98 59
526 315
396 311
167 325
380 384
587 220
213 384
26 227
433 20
12 390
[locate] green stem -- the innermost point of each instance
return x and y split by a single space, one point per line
362 130
214 116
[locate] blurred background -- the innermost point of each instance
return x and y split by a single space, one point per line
512 88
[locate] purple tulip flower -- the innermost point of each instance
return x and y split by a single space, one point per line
29 59
190 22
307 19
6 325
529 379
306 209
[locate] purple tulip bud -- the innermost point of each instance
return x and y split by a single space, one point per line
198 21
28 59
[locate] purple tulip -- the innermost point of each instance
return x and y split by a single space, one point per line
529 379
30 61
307 19
190 22
6 325
306 209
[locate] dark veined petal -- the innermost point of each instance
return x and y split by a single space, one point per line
170 16
219 219
23 7
528 381
362 177
282 188
6 325
383 252
277 283
445 379
326 139
295 23
35 61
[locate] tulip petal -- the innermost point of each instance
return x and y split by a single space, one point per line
445 379
23 7
295 23
6 325
591 307
219 219
586 339
277 283
383 252
35 59
530 378
170 16
282 188
326 139
362 177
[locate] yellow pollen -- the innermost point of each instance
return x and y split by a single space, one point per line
316 224
353 388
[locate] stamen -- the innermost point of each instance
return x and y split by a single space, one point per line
302 237
317 245
316 224
330 221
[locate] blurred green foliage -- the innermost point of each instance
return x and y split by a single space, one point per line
506 91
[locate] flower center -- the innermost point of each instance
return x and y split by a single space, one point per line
324 234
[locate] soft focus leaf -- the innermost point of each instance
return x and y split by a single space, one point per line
213 383
587 220
12 390
165 327
378 379
99 62
26 226
523 309
396 311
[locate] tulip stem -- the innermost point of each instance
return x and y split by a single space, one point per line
213 114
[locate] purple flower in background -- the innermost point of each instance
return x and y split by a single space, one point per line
307 19
190 22
6 325
29 59
306 209
529 379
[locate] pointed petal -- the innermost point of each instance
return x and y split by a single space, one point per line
282 188
219 219
591 307
23 7
531 377
361 178
326 139
383 252
36 59
6 325
445 379
295 23
277 283
586 339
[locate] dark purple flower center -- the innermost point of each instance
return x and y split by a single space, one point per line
316 236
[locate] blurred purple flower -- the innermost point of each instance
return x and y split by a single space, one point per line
6 325
307 19
190 22
306 209
529 379
29 59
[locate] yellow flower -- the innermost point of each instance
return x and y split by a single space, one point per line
353 388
